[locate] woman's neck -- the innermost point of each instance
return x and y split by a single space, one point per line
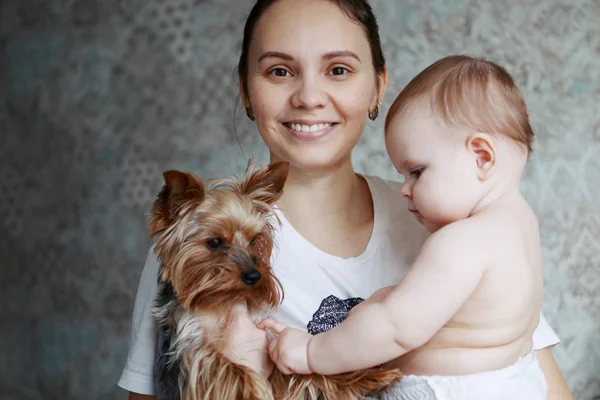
331 209
336 196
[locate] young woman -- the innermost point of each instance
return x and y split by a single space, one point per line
311 73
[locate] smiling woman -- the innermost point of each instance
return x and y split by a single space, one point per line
310 74
310 85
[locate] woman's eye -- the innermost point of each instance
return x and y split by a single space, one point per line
214 243
279 72
339 71
417 172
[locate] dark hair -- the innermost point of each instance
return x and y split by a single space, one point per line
358 11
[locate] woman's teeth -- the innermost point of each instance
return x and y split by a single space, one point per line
307 128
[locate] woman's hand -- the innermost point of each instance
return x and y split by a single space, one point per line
245 344
289 348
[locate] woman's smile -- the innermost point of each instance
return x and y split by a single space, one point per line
310 130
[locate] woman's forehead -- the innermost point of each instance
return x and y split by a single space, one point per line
307 28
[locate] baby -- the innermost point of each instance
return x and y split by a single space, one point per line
460 324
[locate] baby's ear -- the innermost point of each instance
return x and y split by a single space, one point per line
265 184
180 189
482 146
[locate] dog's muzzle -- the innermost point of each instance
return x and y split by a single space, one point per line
251 276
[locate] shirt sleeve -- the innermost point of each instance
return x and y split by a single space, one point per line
137 376
544 336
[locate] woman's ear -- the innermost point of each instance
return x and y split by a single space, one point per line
243 94
382 81
482 146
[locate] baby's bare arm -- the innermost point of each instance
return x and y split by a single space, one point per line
447 271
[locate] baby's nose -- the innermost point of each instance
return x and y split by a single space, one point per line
405 190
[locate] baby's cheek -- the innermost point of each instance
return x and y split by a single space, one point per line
421 192
427 198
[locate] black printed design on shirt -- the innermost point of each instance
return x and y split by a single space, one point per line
331 313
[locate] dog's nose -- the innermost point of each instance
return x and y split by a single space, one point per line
251 276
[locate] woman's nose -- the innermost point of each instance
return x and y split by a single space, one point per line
310 94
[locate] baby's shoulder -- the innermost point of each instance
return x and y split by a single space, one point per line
472 235
508 218
468 227
489 234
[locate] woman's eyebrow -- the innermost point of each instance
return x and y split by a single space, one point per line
326 56
275 54
341 53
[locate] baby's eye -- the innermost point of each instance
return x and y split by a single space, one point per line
338 71
417 172
280 72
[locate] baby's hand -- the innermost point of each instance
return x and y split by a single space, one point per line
289 349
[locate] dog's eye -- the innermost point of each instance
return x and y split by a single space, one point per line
214 243
253 241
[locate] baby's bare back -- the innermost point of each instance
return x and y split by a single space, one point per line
495 326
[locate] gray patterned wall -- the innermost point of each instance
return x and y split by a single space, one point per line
98 97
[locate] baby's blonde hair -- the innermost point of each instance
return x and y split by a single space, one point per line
469 92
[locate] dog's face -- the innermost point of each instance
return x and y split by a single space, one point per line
215 245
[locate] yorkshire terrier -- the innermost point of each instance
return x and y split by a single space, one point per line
214 245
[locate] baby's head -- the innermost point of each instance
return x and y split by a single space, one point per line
459 133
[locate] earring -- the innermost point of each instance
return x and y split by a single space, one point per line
373 114
249 114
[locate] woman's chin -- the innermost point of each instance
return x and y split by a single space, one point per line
321 160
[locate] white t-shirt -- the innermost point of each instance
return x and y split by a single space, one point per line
319 288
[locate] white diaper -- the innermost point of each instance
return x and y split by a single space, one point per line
524 380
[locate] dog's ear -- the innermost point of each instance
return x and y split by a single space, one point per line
265 184
275 179
180 189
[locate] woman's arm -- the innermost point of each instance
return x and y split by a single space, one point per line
557 387
137 376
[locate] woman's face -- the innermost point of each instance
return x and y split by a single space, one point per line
311 83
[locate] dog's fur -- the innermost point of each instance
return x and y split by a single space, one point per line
215 248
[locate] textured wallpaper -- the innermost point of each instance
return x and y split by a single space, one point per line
98 97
